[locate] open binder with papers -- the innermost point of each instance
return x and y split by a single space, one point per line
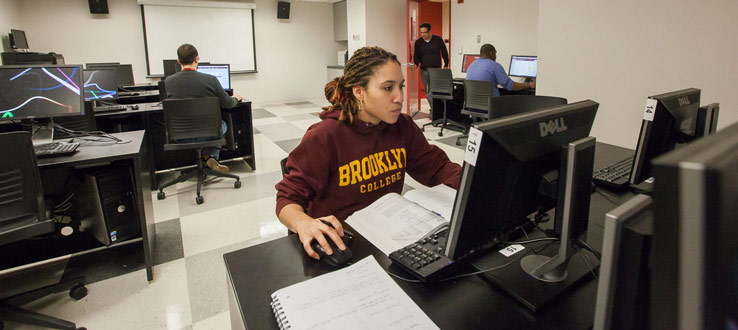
394 221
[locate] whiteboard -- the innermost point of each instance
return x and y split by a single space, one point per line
221 35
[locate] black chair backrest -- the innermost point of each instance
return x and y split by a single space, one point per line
192 118
477 95
441 85
21 195
508 105
162 90
283 164
84 123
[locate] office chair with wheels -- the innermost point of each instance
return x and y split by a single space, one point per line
477 99
197 118
503 106
285 171
441 86
23 215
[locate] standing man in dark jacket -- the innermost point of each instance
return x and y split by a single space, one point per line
429 50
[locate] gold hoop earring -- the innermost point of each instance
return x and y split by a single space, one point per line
361 104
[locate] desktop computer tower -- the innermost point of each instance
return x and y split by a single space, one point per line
106 203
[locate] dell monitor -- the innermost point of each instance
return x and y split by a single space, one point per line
18 39
220 71
523 66
624 284
100 84
695 250
39 92
517 166
123 72
669 119
510 156
467 61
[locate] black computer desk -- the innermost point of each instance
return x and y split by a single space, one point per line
136 154
150 117
254 273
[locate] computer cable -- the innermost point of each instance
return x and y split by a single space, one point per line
496 267
64 205
90 136
585 258
586 246
403 278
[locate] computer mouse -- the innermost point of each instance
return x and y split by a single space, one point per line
134 107
338 258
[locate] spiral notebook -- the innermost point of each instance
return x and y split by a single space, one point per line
361 296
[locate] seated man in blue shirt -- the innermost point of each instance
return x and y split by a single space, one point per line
486 69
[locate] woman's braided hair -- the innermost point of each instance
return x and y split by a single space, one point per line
358 70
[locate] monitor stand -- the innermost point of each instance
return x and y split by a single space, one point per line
537 277
42 133
645 187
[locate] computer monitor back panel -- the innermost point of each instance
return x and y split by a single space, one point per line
467 60
668 119
123 72
40 91
624 284
100 84
18 39
170 67
500 180
695 273
220 71
523 66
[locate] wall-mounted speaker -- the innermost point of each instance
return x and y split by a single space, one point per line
283 9
99 7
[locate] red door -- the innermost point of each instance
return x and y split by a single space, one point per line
412 78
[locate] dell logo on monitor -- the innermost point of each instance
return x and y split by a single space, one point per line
683 101
552 127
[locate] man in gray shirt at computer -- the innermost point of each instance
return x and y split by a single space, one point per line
189 83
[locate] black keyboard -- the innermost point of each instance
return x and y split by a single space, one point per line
55 149
615 175
110 107
425 258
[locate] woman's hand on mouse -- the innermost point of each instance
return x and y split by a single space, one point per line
315 229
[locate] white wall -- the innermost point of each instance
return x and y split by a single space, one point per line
511 26
356 24
67 27
620 52
292 55
8 20
445 17
386 26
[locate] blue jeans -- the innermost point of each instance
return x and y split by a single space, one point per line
209 151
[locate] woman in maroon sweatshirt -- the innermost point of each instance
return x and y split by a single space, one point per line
360 151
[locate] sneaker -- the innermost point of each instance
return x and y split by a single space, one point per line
215 166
